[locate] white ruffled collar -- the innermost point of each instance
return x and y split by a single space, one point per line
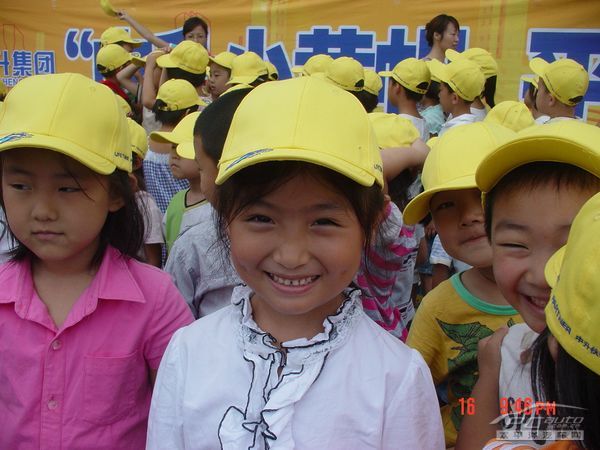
266 419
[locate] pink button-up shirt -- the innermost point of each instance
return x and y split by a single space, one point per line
85 385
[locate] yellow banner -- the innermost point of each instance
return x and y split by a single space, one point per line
45 36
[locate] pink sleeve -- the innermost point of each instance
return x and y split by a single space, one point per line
171 312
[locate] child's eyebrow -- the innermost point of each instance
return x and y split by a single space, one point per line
20 170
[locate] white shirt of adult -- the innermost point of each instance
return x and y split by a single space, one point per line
463 119
419 124
223 384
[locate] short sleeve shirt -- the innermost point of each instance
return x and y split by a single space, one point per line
85 385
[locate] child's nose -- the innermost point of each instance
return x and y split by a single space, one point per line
44 209
291 253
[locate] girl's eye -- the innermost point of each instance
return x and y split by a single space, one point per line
257 218
19 186
444 205
325 222
69 189
512 245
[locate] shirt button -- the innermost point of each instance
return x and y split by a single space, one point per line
56 344
52 404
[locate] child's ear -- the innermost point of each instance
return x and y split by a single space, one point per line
455 98
116 203
551 100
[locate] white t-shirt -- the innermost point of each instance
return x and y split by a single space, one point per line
152 218
479 113
439 255
352 386
463 119
515 376
419 124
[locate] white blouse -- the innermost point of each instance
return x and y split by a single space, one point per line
352 386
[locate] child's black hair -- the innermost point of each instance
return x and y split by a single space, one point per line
123 229
567 382
438 25
195 78
433 92
489 91
368 100
192 23
533 175
398 188
412 95
254 182
105 72
170 117
213 124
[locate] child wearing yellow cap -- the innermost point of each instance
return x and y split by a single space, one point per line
84 323
533 187
529 99
248 70
565 358
176 99
196 261
110 60
186 206
468 307
562 84
461 82
220 73
408 82
489 67
300 364
369 96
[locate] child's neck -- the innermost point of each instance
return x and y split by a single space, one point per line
477 103
286 328
461 108
480 282
194 194
408 107
59 285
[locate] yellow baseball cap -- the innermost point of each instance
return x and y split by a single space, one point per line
272 71
114 35
452 162
112 57
55 112
223 59
511 114
315 64
373 83
566 79
429 64
178 94
480 56
183 131
309 120
246 68
572 314
139 138
530 79
237 87
391 130
346 73
187 55
565 141
412 73
463 76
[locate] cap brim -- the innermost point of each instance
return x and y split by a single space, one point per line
530 79
524 150
297 69
385 73
227 168
552 269
167 137
418 207
68 148
165 61
186 150
139 62
438 71
538 65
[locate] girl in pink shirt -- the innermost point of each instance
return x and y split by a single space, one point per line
83 325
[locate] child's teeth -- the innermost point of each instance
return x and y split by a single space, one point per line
297 282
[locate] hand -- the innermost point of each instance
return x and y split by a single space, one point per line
488 353
430 229
122 14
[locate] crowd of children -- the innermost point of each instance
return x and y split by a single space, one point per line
360 279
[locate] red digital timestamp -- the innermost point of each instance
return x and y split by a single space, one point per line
508 405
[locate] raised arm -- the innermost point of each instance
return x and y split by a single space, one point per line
142 30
